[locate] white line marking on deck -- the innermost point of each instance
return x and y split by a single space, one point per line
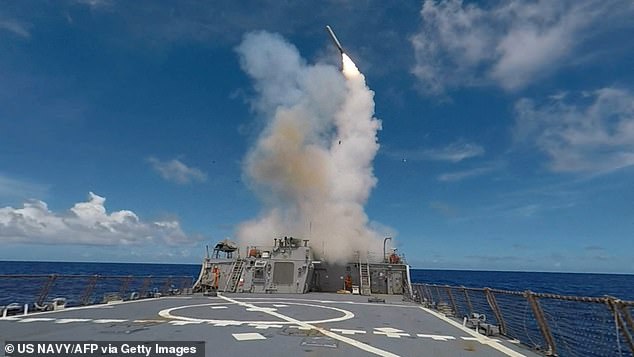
480 338
304 328
477 339
225 323
248 336
280 305
261 309
36 319
219 307
390 332
148 321
516 341
343 331
265 326
183 323
108 321
67 321
436 337
348 340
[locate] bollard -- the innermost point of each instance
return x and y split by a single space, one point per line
26 309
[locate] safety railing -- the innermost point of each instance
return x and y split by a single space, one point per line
36 291
555 325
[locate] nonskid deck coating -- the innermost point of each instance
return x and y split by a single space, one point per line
313 324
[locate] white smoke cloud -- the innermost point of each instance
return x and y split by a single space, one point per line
312 164
85 223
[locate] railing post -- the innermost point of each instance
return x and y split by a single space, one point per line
496 310
428 294
167 286
144 288
453 301
541 322
46 288
185 283
90 287
613 306
124 286
468 299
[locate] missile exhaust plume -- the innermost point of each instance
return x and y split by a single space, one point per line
311 166
349 68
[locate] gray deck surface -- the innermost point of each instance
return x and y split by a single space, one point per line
315 324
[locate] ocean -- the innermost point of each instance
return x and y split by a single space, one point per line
580 284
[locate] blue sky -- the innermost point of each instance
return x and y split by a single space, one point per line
507 138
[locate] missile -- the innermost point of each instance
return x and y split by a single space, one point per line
334 38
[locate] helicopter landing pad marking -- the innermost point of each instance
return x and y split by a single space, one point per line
350 341
265 327
344 331
248 336
36 319
436 337
390 332
66 321
168 314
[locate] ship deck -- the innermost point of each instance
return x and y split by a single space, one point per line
315 324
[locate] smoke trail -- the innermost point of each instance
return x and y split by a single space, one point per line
312 164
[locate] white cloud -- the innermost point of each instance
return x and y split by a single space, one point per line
16 27
595 134
16 188
177 172
511 44
454 152
86 223
465 174
95 4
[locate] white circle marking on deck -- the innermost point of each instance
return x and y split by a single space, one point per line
167 313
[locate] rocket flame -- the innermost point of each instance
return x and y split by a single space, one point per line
349 68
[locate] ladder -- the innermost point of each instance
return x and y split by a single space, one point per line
236 273
364 274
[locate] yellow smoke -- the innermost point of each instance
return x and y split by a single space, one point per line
349 68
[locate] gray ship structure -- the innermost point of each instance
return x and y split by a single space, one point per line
288 266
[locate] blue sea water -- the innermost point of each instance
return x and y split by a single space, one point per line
580 284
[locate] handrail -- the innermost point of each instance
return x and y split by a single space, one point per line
553 324
80 289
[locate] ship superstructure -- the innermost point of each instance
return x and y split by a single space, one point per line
289 266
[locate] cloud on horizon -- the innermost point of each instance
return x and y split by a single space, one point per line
86 223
